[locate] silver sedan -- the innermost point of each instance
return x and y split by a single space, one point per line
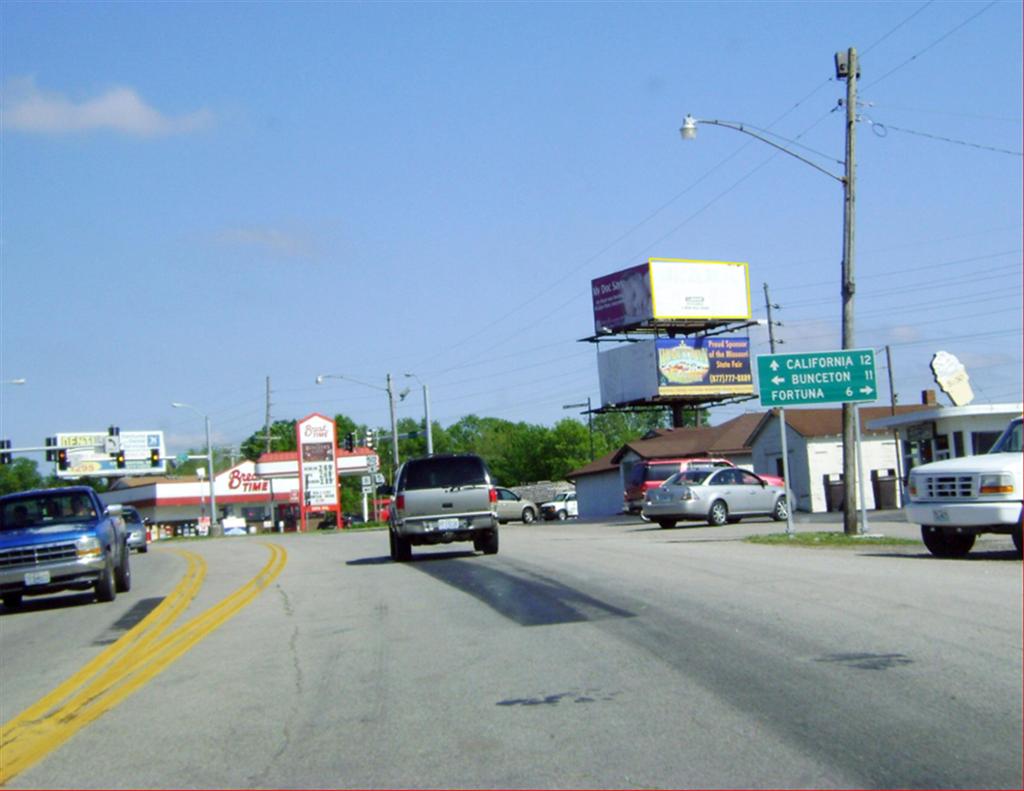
725 494
512 507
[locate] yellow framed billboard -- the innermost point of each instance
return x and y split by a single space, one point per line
671 289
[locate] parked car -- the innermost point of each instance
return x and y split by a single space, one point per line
561 508
513 508
440 499
136 528
651 473
717 495
61 539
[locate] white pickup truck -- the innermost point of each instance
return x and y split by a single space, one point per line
956 500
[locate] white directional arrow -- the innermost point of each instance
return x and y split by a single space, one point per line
778 380
774 366
867 390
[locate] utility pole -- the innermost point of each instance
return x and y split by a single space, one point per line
849 68
267 420
394 425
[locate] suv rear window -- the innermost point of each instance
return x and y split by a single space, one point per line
659 472
444 472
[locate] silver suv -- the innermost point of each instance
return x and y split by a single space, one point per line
441 499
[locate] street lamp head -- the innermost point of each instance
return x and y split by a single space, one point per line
178 405
319 379
688 130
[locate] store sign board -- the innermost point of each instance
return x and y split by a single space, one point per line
843 376
89 453
318 473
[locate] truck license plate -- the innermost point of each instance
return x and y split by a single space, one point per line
941 515
37 578
447 524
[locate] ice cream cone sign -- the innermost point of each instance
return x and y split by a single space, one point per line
952 377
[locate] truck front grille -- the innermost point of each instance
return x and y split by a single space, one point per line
37 555
948 486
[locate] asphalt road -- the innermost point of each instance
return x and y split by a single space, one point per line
582 655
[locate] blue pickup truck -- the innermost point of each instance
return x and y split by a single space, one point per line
61 539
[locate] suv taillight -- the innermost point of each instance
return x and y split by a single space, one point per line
400 502
493 495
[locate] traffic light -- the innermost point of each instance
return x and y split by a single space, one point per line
51 455
62 459
154 458
5 457
369 438
350 441
119 458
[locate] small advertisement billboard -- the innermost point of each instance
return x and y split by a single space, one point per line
94 453
671 289
715 367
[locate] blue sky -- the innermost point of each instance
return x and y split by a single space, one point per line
196 196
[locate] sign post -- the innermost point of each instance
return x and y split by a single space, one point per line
845 376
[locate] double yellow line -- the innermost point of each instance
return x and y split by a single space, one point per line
122 668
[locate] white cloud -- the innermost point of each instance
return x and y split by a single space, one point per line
120 109
268 240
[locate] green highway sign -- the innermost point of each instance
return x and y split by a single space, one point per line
842 376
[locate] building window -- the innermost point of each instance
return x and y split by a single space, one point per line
941 447
958 444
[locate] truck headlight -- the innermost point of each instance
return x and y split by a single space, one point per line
996 483
88 547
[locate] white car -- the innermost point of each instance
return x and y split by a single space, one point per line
561 508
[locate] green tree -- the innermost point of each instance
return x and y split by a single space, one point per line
19 475
567 448
282 438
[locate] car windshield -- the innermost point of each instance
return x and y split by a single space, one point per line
41 510
1011 440
689 477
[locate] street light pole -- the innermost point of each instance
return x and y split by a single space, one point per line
214 526
848 68
426 414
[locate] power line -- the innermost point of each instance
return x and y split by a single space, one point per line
935 43
875 125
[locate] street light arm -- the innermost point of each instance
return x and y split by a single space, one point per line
320 380
689 131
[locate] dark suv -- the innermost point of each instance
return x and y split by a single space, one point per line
441 499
